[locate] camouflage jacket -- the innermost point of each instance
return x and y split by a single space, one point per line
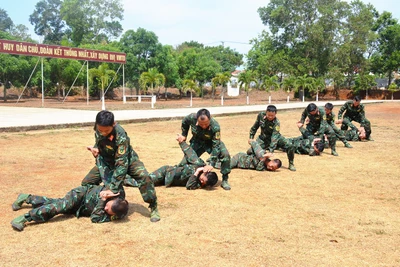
210 137
93 206
255 161
116 153
352 135
348 110
183 173
269 130
302 145
330 118
316 122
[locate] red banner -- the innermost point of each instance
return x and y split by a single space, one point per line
42 50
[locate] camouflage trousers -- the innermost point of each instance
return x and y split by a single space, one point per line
363 123
201 147
311 130
136 170
45 208
339 133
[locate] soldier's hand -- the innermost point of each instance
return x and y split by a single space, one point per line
268 155
207 168
95 151
106 194
339 121
299 124
180 138
250 140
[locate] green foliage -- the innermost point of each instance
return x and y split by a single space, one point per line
151 79
363 82
101 76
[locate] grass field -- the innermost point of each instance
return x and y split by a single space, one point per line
333 211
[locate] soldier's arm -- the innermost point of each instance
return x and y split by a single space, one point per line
186 124
303 116
99 215
190 155
341 111
274 137
193 183
257 150
120 166
362 112
254 128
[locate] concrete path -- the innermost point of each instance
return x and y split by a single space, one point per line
16 119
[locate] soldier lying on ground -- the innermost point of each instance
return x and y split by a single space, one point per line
191 172
89 200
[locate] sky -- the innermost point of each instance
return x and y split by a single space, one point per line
210 22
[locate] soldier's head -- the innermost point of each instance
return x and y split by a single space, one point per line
312 108
271 112
104 122
117 207
203 118
356 101
272 165
361 133
208 179
328 108
319 147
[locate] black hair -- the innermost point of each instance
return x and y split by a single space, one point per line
120 207
320 146
311 107
357 98
329 106
104 118
203 112
212 178
279 162
272 108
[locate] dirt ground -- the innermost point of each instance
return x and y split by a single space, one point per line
333 211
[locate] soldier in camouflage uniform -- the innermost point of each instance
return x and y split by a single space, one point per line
89 200
353 110
307 146
270 138
317 126
355 134
192 172
330 119
206 137
115 158
259 159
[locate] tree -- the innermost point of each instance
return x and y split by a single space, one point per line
363 81
190 85
92 20
152 78
48 22
270 84
319 84
6 22
102 74
221 79
393 88
141 47
303 82
8 67
245 79
288 84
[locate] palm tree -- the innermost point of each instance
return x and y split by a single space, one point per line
270 83
102 74
221 79
319 85
153 78
304 82
245 78
393 88
190 85
288 84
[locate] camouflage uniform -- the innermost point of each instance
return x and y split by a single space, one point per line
318 126
303 146
181 174
270 138
330 119
357 114
116 159
208 140
352 135
253 161
80 201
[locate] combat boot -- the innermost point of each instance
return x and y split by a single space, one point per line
369 138
19 223
291 167
21 199
225 185
154 215
346 144
334 153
